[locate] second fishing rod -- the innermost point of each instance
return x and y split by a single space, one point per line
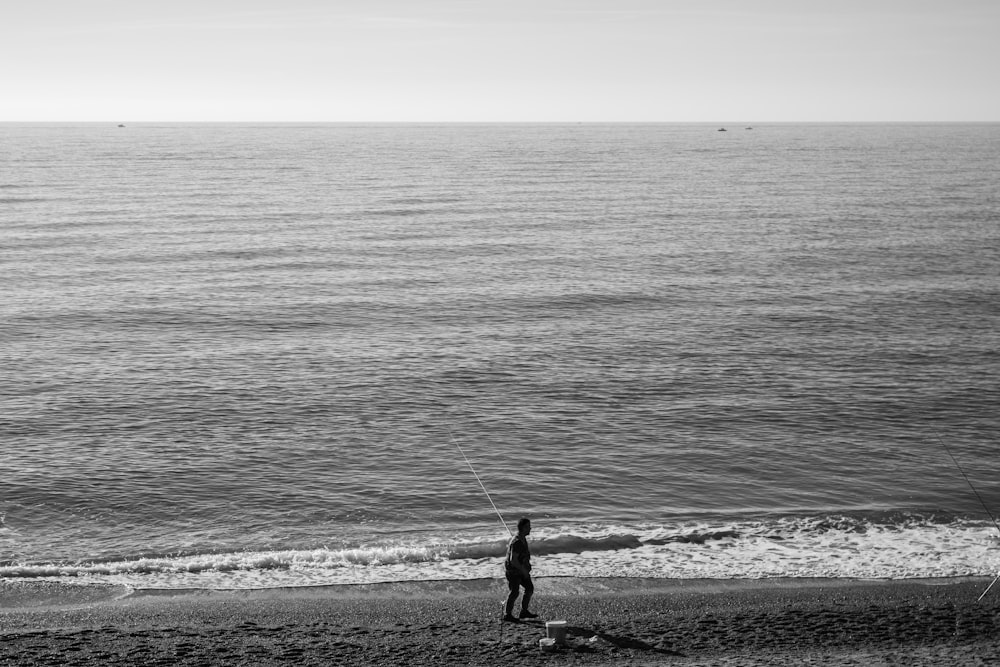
981 502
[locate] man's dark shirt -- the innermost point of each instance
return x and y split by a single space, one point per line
517 551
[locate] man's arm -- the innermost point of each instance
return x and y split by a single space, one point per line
515 558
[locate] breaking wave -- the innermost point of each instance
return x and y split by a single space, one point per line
890 546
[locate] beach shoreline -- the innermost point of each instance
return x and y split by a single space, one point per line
609 621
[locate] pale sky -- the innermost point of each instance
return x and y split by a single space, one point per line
500 60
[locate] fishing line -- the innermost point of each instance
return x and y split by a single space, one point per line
468 463
981 502
988 588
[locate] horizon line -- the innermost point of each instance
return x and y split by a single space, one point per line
494 122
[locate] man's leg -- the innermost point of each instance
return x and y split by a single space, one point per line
529 589
513 585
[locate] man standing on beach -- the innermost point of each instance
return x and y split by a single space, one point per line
517 568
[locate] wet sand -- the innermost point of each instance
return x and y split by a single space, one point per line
609 622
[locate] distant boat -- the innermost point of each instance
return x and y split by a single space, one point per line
721 129
120 125
748 128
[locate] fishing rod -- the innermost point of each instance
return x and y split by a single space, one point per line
483 486
981 502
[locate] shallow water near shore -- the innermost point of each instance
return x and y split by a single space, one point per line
245 356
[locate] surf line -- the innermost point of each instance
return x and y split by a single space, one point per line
483 486
981 502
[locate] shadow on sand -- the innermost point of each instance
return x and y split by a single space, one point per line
587 640
587 635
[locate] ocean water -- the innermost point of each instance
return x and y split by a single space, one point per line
239 356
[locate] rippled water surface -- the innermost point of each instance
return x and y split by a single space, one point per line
234 349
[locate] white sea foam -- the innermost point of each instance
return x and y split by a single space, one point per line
844 548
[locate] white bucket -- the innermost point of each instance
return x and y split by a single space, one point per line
556 630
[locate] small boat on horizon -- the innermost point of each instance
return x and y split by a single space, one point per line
721 129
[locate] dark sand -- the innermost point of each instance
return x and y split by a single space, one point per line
609 621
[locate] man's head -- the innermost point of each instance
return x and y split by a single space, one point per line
524 526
